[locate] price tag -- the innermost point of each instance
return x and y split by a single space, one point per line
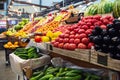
102 60
25 40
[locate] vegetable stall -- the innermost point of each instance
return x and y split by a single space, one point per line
91 40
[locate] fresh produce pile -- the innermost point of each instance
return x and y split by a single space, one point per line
29 25
107 40
42 21
11 45
105 6
49 36
76 36
54 23
27 53
48 27
116 8
21 24
61 28
12 31
58 73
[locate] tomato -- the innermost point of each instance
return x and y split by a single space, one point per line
82 46
85 40
38 39
90 45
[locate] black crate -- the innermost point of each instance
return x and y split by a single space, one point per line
7 52
2 42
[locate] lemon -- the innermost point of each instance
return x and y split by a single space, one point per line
45 39
50 34
56 34
9 44
16 43
6 46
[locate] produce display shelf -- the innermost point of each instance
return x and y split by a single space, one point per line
92 57
80 54
104 60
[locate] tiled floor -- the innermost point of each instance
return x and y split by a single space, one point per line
5 71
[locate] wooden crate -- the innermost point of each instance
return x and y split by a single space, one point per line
104 60
114 64
80 54
99 58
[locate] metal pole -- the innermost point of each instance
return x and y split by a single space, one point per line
63 3
7 2
40 4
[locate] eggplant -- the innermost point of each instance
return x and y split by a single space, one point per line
118 33
110 26
117 25
97 39
118 48
98 29
97 47
115 55
104 32
112 32
105 48
112 48
91 37
115 40
94 32
107 39
115 20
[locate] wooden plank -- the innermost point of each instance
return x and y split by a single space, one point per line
76 61
104 60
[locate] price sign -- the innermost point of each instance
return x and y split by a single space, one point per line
102 59
25 40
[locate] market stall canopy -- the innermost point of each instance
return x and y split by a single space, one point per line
25 8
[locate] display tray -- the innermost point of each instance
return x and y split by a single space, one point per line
17 63
80 54
91 56
67 65
104 60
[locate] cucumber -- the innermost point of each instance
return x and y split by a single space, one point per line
79 77
23 56
62 74
95 77
76 71
57 78
36 73
51 71
37 77
70 74
46 77
88 77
